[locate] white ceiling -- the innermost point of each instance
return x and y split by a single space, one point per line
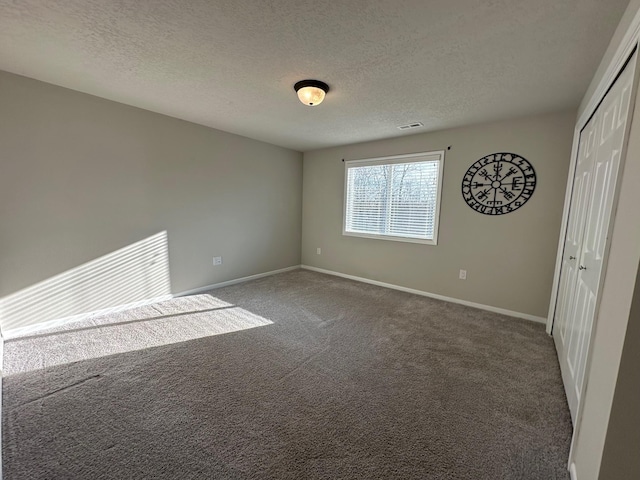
231 64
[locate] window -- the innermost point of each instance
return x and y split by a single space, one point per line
394 198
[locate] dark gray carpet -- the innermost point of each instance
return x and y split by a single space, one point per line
349 381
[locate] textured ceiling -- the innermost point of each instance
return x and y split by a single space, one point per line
231 64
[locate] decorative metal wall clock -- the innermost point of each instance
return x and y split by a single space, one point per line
498 183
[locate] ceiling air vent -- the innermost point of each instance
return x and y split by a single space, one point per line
411 125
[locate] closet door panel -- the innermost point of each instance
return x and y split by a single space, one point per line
592 207
565 330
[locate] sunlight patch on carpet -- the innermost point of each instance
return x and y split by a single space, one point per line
172 321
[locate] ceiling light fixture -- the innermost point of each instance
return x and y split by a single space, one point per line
311 92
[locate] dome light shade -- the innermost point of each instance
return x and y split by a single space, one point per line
311 92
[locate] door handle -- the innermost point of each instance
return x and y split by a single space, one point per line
571 257
582 267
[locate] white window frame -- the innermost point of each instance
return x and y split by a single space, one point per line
437 155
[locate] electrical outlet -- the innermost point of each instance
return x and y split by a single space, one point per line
463 274
319 251
217 261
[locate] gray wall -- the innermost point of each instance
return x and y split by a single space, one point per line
509 258
620 458
83 176
614 44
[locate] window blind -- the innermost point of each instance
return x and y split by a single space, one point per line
393 199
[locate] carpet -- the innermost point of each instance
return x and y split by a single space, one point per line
317 377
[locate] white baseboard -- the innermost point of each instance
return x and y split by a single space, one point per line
213 286
572 471
481 306
29 329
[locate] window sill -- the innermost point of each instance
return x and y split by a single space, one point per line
392 238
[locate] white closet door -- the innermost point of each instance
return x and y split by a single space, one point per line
563 329
600 149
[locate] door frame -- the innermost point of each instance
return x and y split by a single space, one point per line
623 53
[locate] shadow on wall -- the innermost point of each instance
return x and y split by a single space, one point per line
136 273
